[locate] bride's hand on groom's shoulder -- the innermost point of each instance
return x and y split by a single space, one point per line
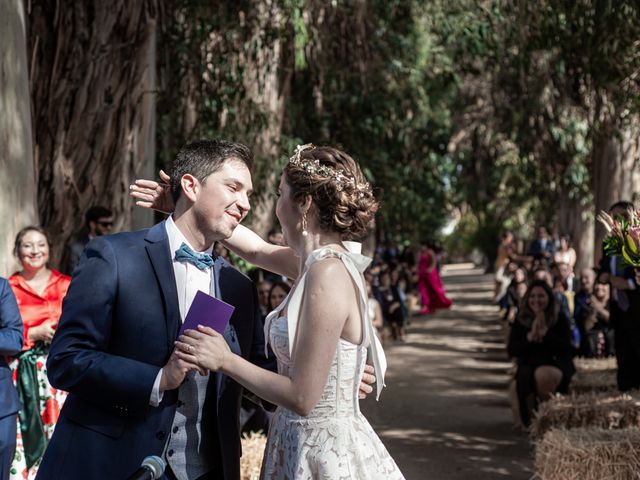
154 195
204 347
368 379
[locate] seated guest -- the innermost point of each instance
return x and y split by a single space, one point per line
39 291
540 341
505 249
564 286
563 278
374 310
515 294
597 334
98 221
542 248
566 253
10 344
277 293
391 304
587 283
399 282
503 279
263 298
545 275
254 417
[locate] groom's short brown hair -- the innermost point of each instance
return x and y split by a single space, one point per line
201 158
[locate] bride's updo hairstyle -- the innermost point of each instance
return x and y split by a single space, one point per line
333 179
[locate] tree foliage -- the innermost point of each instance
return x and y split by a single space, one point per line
501 112
542 85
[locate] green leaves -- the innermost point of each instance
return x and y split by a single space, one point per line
487 108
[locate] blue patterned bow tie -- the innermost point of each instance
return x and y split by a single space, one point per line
200 260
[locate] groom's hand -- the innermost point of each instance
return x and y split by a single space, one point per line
368 379
173 372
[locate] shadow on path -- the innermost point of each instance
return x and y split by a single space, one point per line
444 414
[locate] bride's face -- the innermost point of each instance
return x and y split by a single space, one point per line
288 213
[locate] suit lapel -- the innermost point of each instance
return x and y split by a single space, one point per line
157 246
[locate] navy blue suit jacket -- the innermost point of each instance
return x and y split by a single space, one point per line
119 321
621 320
536 251
11 331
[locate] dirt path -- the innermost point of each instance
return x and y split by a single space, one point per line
444 414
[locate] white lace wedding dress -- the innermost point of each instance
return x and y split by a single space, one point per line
335 441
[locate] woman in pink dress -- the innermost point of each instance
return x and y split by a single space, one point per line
429 283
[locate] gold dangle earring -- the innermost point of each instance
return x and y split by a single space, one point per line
304 224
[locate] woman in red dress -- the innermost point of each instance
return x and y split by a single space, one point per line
39 291
429 283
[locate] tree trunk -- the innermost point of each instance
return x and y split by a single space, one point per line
17 181
268 87
615 164
93 90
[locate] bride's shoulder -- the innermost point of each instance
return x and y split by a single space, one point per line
329 279
329 271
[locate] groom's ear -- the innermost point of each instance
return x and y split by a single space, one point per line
190 186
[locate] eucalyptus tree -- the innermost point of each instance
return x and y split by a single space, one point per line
92 79
17 179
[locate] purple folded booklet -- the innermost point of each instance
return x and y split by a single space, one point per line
207 311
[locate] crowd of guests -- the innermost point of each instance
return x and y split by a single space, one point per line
400 283
553 313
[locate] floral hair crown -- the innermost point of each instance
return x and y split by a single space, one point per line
313 167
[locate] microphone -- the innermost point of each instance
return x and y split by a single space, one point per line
151 468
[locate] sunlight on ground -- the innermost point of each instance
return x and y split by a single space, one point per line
451 377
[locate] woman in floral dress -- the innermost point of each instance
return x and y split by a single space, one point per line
39 291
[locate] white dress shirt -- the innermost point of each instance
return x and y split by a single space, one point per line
189 279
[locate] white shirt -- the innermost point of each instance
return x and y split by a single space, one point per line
189 279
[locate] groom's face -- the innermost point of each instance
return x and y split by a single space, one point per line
222 200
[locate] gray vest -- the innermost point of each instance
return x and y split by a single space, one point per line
188 450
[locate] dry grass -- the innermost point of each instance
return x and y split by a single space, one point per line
595 364
589 454
594 409
594 375
252 451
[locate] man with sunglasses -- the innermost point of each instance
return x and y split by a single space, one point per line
98 221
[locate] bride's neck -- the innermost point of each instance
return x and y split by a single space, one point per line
314 241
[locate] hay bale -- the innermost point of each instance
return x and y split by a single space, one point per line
595 364
589 454
252 452
594 375
593 409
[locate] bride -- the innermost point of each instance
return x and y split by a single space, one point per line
319 333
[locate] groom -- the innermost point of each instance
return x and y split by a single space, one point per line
129 395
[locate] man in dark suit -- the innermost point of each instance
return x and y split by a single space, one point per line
624 310
542 248
11 331
129 395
